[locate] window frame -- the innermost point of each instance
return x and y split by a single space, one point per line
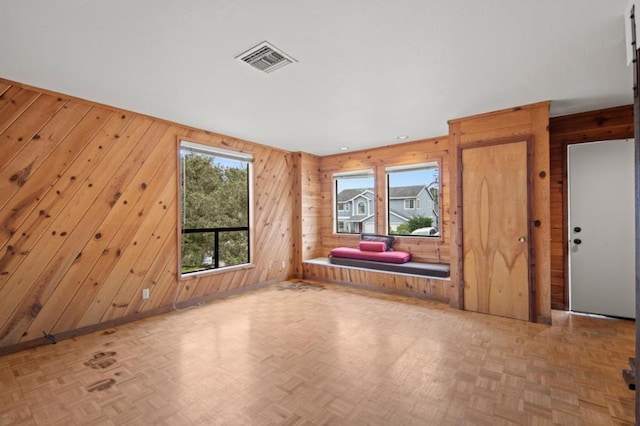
408 167
215 151
356 174
411 205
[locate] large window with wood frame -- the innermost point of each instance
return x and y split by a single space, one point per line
354 202
413 194
214 208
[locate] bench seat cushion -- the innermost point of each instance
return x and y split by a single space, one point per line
438 270
385 256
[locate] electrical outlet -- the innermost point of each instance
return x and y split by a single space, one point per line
145 293
284 264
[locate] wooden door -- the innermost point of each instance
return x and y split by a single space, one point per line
495 230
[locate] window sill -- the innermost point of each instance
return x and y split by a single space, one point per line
207 272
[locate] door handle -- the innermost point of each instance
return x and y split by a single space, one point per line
522 239
577 241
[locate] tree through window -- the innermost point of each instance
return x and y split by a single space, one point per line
215 201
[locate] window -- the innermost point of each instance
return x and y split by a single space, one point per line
412 200
214 208
354 188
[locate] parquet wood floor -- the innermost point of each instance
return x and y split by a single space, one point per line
335 356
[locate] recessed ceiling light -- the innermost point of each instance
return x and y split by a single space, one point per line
402 137
344 148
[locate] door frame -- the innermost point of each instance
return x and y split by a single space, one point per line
567 217
565 206
529 140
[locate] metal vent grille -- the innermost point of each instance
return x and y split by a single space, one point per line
266 58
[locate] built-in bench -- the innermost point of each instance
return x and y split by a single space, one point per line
419 279
438 270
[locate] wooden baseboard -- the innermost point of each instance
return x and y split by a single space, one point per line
131 318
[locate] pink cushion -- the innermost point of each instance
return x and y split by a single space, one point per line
372 246
385 256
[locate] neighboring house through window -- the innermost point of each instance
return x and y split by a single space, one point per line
354 189
412 200
412 203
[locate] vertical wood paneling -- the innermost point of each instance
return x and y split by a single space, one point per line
88 215
606 124
315 220
422 249
527 121
430 288
309 209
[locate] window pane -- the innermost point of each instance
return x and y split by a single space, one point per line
233 248
214 197
355 204
412 202
197 252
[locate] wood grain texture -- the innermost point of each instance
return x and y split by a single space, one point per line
495 203
309 206
606 124
88 214
409 285
530 121
312 353
422 151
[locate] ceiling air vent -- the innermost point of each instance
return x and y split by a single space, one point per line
266 57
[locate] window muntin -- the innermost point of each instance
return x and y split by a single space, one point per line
354 189
215 208
413 200
409 204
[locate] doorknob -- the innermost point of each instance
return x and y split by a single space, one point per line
522 239
577 241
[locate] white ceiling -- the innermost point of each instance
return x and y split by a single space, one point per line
368 70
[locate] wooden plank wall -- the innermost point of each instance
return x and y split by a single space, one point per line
322 239
309 208
88 215
530 120
601 125
402 284
422 151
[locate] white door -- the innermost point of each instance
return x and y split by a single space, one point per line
602 228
